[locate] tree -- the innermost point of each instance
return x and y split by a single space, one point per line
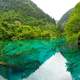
72 26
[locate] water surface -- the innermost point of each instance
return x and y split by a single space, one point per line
54 68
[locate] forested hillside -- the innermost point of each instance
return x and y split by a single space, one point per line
64 19
22 19
72 25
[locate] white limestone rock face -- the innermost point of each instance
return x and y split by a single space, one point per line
53 69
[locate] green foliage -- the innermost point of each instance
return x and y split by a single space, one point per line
22 19
63 20
72 26
18 31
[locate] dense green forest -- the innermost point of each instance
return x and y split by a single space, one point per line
72 25
22 19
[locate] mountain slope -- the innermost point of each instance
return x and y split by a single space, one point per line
64 18
22 19
26 8
72 25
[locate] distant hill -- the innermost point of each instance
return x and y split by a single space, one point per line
28 11
64 18
72 24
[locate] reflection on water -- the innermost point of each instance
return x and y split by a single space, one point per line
53 69
23 57
30 55
1 78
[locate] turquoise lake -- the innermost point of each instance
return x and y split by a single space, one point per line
23 57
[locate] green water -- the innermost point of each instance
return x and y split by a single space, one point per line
23 57
73 58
